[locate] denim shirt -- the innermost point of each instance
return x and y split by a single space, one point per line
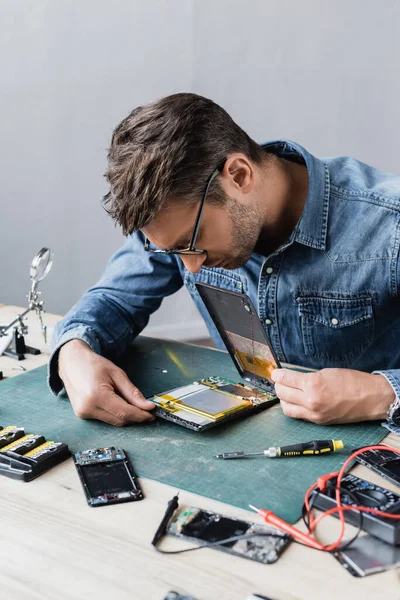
328 297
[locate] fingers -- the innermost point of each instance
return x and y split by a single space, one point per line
292 379
118 412
296 411
289 394
297 404
129 392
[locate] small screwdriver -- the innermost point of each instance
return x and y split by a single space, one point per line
306 449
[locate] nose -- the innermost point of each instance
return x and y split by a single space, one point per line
193 262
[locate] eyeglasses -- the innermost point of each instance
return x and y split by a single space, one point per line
190 250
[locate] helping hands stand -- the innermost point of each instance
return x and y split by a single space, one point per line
40 267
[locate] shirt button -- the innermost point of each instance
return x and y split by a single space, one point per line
268 321
334 321
270 270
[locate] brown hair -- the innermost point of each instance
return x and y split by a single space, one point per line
168 149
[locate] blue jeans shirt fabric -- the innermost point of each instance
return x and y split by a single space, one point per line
328 297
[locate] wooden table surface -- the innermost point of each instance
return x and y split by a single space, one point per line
54 547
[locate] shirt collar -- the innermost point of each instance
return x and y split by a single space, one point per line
311 229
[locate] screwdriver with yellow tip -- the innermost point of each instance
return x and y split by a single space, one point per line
315 448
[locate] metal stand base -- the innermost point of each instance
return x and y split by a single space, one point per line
19 348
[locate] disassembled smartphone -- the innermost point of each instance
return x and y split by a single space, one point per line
214 400
107 476
203 527
383 462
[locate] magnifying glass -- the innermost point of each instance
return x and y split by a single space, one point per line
40 266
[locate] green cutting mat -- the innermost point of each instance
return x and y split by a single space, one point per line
180 457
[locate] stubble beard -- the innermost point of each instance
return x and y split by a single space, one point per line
246 227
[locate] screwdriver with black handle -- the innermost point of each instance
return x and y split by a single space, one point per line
316 447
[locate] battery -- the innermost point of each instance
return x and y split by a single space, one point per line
24 444
10 434
33 463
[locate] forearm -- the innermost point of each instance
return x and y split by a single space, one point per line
98 321
114 311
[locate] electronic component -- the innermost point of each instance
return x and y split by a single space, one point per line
261 543
363 493
33 463
214 400
24 444
383 462
368 555
242 332
10 434
107 476
206 403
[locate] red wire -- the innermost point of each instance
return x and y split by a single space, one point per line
339 508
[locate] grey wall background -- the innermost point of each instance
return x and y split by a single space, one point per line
323 73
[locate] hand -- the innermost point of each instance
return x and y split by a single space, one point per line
98 389
333 395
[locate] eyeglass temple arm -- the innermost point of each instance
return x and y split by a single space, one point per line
199 214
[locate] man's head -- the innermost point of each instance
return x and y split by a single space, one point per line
160 160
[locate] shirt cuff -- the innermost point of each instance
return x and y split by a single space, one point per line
392 377
85 334
392 428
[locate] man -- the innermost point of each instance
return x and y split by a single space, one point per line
314 243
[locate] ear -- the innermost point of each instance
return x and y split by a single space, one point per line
238 174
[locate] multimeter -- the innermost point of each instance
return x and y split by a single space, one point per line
359 492
383 462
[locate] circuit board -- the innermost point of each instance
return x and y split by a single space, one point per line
211 401
107 476
259 542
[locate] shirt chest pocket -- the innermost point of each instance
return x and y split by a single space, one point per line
336 329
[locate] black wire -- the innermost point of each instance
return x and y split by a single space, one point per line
306 514
235 538
306 518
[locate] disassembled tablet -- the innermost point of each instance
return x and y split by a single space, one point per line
214 400
107 476
209 402
203 527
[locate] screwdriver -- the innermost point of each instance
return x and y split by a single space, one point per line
305 449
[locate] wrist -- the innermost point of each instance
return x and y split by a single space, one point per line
384 395
69 349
